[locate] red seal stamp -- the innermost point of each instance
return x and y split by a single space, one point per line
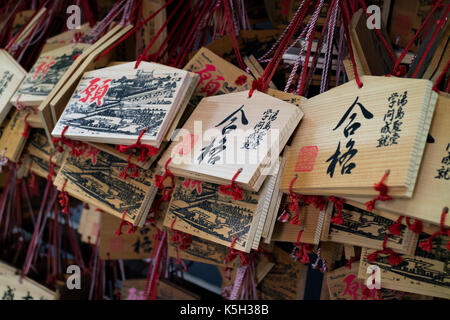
306 158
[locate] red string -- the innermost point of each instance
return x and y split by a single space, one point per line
129 33
124 174
338 205
229 16
51 170
427 245
183 240
159 182
143 55
400 73
300 251
383 40
346 22
68 142
349 263
440 23
415 227
232 189
63 199
131 229
26 131
395 228
383 196
245 258
146 150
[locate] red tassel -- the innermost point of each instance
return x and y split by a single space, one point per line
383 190
241 80
131 229
394 259
232 189
416 227
159 182
395 228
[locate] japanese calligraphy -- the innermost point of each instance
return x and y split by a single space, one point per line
207 83
143 241
213 150
43 68
390 132
343 158
444 171
260 129
95 91
351 289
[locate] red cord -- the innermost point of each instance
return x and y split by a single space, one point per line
131 229
159 182
441 76
232 189
383 196
427 245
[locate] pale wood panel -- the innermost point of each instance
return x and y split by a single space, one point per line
323 113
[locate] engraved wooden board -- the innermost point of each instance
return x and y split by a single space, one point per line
425 273
340 148
100 185
212 215
343 284
45 74
46 112
230 114
364 228
12 140
433 181
11 76
200 250
114 104
136 245
217 76
13 289
89 225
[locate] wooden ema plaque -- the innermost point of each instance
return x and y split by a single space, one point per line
244 133
45 74
12 141
200 250
343 150
11 76
114 104
205 212
11 288
343 284
217 76
364 228
424 273
137 245
285 281
89 225
100 184
433 181
52 106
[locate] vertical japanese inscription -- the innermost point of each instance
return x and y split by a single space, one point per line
390 132
444 171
